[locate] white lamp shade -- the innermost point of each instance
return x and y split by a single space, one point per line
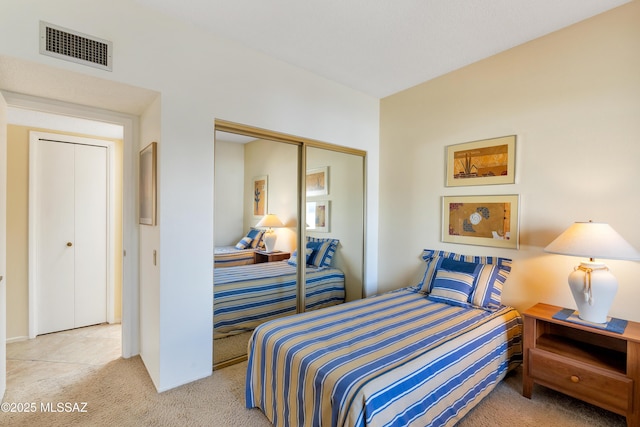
270 220
593 240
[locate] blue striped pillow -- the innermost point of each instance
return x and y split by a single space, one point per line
491 277
454 281
488 290
293 259
244 243
256 238
323 251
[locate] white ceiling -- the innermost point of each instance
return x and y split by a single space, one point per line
381 47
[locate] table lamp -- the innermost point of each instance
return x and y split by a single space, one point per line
270 237
592 284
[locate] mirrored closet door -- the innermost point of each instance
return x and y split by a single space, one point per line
334 213
272 193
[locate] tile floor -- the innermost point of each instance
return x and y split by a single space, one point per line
53 361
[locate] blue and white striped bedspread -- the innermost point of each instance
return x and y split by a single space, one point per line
395 359
249 295
229 256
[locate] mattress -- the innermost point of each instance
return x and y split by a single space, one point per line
229 256
246 296
395 359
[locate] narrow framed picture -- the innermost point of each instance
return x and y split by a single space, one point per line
318 215
481 220
484 162
260 194
318 181
147 182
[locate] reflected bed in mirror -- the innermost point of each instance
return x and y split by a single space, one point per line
248 295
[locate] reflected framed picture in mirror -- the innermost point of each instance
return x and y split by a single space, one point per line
147 181
318 181
260 194
318 215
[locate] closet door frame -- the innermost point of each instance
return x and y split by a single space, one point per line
34 137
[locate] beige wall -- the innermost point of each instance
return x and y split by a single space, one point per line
229 192
18 226
279 161
573 100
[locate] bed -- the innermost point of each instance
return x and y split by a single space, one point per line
242 253
230 256
414 356
246 296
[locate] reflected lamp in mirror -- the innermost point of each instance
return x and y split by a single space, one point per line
592 284
270 221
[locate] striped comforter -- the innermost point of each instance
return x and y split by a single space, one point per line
249 295
229 256
395 359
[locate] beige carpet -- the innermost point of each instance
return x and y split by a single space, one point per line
120 393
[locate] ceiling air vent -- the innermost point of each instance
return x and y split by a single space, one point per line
73 46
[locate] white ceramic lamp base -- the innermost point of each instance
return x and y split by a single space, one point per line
269 240
593 302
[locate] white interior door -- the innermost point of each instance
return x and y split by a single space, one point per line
90 235
54 236
70 214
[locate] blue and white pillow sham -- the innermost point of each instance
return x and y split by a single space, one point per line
244 243
490 274
319 252
252 240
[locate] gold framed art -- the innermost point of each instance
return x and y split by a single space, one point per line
484 162
481 220
147 183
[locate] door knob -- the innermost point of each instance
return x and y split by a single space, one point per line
69 244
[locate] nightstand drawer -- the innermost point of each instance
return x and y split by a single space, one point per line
607 389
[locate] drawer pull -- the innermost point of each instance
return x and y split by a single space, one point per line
575 378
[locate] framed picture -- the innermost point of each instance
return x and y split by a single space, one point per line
260 196
489 161
147 181
481 220
318 215
318 181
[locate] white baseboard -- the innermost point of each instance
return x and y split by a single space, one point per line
16 339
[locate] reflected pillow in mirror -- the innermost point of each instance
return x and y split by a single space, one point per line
244 243
293 258
256 238
323 251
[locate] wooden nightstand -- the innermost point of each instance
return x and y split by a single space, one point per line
262 256
591 364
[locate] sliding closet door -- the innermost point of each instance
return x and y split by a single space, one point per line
335 210
244 164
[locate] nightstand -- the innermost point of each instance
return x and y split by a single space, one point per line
262 256
591 364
